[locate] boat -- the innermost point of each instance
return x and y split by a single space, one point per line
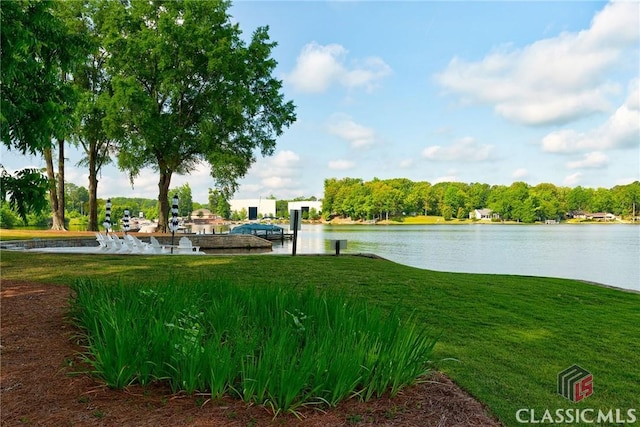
266 231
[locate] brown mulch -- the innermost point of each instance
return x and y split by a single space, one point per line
39 385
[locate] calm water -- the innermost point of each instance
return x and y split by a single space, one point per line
608 254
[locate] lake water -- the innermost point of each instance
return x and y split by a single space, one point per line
603 253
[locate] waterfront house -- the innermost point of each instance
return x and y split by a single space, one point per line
254 208
601 216
577 214
483 215
305 206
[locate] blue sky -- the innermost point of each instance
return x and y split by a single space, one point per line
491 92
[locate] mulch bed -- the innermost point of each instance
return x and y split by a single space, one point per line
42 383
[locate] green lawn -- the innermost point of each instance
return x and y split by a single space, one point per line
504 338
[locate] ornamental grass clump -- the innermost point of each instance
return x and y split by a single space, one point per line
277 347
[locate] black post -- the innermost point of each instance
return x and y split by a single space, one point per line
337 247
296 219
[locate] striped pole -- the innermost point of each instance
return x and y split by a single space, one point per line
173 222
125 221
107 216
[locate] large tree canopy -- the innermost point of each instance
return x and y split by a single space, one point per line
188 89
38 54
37 50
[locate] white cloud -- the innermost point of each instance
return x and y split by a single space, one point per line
276 182
520 173
285 159
573 179
555 80
274 175
446 178
318 67
626 181
341 164
359 136
464 150
283 164
595 160
117 184
406 163
621 130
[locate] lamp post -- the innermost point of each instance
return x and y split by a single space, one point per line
173 222
107 216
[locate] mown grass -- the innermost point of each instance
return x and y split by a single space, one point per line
504 338
18 234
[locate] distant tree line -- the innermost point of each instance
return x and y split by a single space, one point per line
385 199
19 207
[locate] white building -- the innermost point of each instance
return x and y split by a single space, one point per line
305 206
483 215
255 208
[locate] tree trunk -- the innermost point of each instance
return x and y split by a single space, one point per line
163 200
93 192
60 182
57 223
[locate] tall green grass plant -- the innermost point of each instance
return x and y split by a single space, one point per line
278 347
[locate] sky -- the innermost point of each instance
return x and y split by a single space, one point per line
469 91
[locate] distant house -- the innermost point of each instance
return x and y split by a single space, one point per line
595 216
305 206
203 216
255 208
577 214
601 216
483 214
203 221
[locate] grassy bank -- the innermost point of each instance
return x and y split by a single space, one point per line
509 335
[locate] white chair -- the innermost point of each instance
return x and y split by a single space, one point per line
156 247
120 246
126 239
102 241
112 247
139 246
185 246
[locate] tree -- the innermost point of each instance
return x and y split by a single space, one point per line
579 198
219 204
223 209
313 214
420 198
477 196
38 53
75 197
626 199
550 201
447 213
93 85
26 191
454 197
188 89
185 200
35 48
602 200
